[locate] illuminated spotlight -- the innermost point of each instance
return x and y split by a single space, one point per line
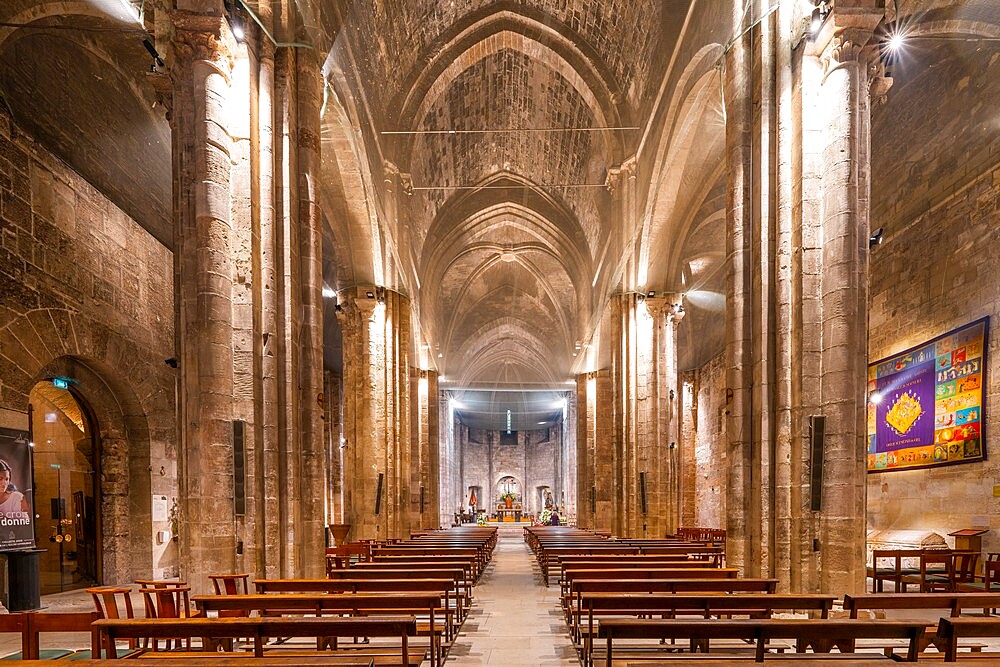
234 17
329 292
896 42
876 238
542 423
875 398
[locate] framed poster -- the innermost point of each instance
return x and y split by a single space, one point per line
925 405
16 506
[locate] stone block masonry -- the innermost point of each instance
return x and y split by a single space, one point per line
87 293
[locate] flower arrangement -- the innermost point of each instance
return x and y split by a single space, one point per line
508 496
481 520
544 517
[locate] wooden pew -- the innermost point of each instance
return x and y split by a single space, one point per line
223 660
355 604
820 635
670 604
259 629
447 587
457 574
953 604
573 606
409 563
30 625
548 556
399 553
950 630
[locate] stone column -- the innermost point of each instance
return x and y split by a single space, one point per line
246 154
310 465
332 394
797 157
426 469
644 370
596 458
203 277
377 343
851 72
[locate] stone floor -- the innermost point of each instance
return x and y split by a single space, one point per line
515 620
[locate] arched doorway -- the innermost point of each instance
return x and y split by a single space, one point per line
66 488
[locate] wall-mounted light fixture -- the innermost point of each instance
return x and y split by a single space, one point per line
819 16
234 17
154 54
678 311
876 238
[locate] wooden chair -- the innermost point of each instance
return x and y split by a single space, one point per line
167 602
965 568
106 601
931 580
230 584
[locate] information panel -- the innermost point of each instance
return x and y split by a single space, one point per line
925 405
16 508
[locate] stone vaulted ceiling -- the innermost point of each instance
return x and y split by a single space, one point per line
506 117
73 74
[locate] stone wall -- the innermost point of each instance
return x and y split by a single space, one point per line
703 484
938 199
85 292
534 462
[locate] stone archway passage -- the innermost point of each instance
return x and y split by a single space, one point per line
67 496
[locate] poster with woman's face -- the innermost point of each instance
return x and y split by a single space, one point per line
16 509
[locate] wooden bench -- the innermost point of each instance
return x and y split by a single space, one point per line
258 630
223 660
457 574
427 605
667 604
820 635
448 587
950 630
572 603
954 604
431 553
30 625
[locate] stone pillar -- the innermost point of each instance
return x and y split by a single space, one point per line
310 464
596 457
426 469
377 343
646 417
568 442
449 464
332 393
852 73
249 301
203 276
797 158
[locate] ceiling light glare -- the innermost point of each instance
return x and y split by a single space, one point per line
133 12
896 42
329 292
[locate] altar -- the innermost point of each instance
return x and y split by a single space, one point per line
513 514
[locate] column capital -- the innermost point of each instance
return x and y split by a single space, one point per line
202 37
848 38
625 170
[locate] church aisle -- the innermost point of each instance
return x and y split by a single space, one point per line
515 620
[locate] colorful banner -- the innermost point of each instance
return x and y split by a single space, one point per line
925 405
16 506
